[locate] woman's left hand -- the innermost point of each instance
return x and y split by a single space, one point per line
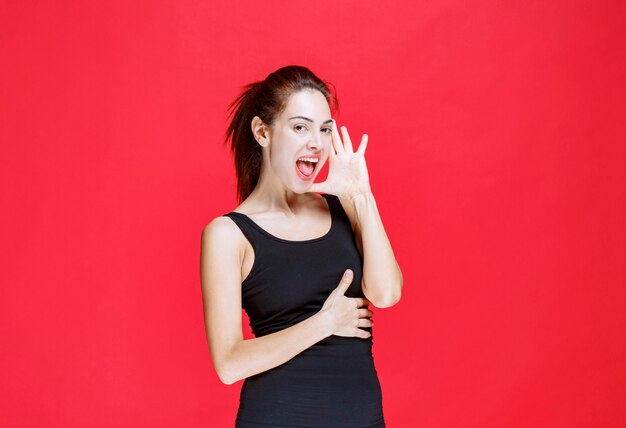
347 171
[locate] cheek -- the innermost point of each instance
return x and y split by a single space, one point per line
328 146
281 159
328 143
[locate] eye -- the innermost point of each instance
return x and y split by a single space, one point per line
298 128
327 130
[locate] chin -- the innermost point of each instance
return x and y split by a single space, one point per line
301 187
300 183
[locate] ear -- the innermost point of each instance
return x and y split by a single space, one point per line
260 131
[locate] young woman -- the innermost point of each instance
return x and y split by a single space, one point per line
305 267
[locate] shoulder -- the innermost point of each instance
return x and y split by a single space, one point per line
222 232
221 226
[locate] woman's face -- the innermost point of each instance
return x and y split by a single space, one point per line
300 139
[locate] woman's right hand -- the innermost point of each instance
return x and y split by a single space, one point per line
346 313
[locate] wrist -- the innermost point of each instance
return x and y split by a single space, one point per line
362 201
325 322
354 198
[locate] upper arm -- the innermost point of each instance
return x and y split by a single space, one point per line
220 272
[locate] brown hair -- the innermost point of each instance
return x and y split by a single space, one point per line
266 99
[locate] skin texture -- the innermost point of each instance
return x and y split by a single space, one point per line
284 204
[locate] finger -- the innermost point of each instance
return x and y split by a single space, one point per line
365 322
345 282
365 313
363 334
337 144
363 145
362 301
347 143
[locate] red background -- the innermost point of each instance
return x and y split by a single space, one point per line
496 155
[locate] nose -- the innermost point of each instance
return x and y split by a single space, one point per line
315 142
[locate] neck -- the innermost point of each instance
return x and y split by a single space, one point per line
271 195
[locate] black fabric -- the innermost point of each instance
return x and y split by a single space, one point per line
334 383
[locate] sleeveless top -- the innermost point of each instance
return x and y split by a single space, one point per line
333 383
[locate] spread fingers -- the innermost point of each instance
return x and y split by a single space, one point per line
365 313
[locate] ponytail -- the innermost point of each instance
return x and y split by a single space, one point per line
244 147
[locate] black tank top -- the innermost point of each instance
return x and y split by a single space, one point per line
333 383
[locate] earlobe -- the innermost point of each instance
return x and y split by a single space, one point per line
260 131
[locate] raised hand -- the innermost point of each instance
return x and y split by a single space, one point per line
347 173
347 313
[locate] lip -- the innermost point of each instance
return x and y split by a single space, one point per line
310 177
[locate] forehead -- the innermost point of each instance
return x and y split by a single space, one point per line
309 103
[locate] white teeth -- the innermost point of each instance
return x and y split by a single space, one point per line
314 160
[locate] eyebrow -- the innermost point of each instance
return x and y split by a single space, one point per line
310 120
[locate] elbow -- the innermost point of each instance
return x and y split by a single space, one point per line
226 375
226 371
388 291
226 367
393 296
390 297
226 380
388 300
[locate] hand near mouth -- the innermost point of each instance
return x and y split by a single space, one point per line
347 171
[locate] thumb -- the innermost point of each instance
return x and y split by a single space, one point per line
345 282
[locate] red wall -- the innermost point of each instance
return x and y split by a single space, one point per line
496 154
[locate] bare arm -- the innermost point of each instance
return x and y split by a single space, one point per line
382 278
235 358
349 180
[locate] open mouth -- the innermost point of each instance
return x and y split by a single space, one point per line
306 166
